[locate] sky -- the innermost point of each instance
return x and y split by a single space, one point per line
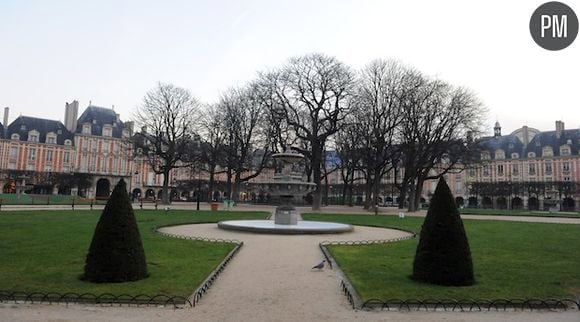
110 53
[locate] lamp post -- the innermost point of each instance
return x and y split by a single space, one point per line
198 194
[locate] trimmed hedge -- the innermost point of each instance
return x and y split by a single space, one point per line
116 253
443 256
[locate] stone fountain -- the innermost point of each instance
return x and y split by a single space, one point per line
286 186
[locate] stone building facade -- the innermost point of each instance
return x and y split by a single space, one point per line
88 154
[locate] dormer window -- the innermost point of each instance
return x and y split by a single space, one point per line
515 155
51 138
15 136
547 151
86 129
564 150
107 131
485 155
531 154
499 154
67 142
125 133
33 136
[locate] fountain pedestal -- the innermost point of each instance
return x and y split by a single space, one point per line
286 214
287 185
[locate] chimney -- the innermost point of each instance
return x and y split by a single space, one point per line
559 129
6 112
525 135
70 115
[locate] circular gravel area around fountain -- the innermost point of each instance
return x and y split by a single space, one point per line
269 227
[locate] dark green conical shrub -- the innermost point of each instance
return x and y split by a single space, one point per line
116 252
443 256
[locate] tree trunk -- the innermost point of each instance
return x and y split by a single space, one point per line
211 183
325 188
351 190
165 189
411 206
236 187
229 183
403 192
418 193
316 176
368 192
376 185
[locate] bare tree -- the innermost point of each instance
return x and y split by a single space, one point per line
313 93
246 136
349 144
213 134
437 120
382 88
168 113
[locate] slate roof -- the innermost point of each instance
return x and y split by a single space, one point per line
98 117
23 124
510 143
549 138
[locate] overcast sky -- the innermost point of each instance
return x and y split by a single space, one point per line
113 52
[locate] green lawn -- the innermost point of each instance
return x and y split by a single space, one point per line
45 251
511 260
506 212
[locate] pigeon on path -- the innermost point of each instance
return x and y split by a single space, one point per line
320 265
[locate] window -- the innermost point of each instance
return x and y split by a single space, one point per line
515 169
471 172
105 147
67 142
532 169
33 136
548 166
51 140
86 129
515 155
547 151
32 155
485 155
500 169
49 155
531 154
13 152
565 167
500 154
107 131
15 136
564 150
486 170
66 157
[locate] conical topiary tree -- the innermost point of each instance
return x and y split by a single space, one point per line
116 252
443 256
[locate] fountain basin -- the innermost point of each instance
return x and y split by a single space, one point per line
270 227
